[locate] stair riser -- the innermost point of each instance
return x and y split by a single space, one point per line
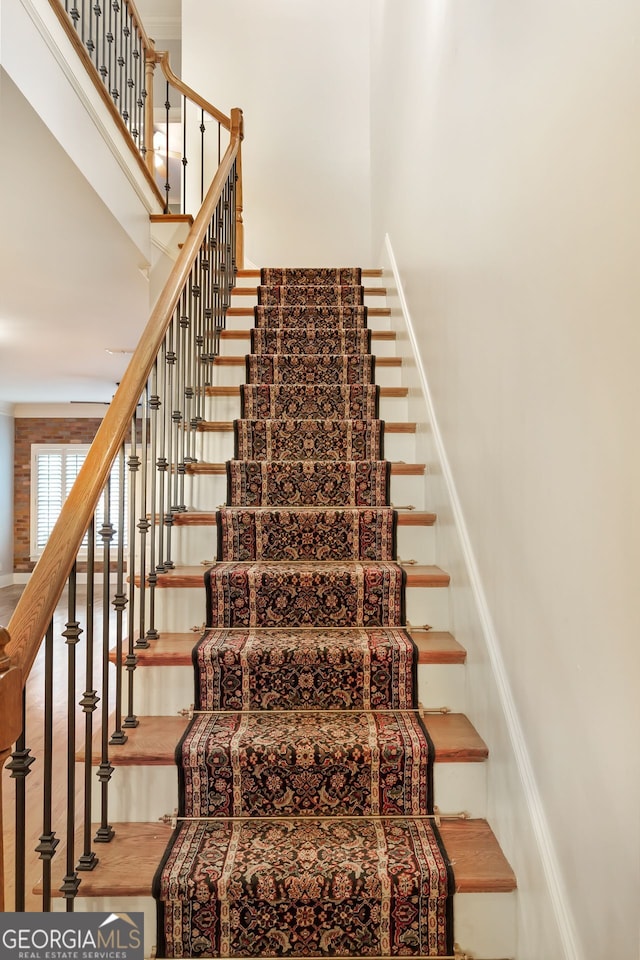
180 608
160 693
239 346
230 375
148 793
217 447
197 543
208 491
484 922
246 323
394 409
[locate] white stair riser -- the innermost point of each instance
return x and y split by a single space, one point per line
146 793
230 375
158 692
483 922
196 543
241 345
179 609
394 409
246 322
218 446
208 491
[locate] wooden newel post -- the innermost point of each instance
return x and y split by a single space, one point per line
237 128
149 71
10 727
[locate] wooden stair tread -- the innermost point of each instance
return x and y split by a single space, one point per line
418 575
253 291
437 646
226 426
479 864
214 391
250 272
248 311
153 742
207 518
174 649
228 334
241 361
398 468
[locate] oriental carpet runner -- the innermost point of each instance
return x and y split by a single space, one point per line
306 773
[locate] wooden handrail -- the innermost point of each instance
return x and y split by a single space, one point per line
36 606
162 57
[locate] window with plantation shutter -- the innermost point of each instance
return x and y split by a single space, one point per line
54 468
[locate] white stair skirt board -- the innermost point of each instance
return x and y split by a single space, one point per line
196 543
150 792
483 922
180 608
217 446
158 692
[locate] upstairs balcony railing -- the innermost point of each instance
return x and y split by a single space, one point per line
178 136
82 691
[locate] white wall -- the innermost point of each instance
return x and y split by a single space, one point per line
505 158
300 73
6 494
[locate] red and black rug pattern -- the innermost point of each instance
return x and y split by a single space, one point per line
306 773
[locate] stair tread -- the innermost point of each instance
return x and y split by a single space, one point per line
248 311
241 361
253 291
478 862
174 649
153 742
229 334
418 575
203 518
226 426
215 391
398 468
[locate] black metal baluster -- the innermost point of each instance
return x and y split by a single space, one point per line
109 57
184 400
19 765
219 142
90 699
161 460
155 403
48 841
127 80
131 661
171 439
105 831
167 185
184 154
119 602
202 133
89 43
71 633
138 57
143 522
116 68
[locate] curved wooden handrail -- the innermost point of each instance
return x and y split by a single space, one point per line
36 606
162 57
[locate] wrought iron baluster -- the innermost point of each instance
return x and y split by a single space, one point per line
167 185
48 841
184 154
171 436
115 70
105 831
184 401
89 702
127 80
143 522
19 766
202 133
163 434
119 601
72 634
155 403
131 660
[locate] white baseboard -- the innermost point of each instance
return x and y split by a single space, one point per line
555 884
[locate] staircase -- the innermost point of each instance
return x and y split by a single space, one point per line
145 779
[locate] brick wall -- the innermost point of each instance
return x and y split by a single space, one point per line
38 430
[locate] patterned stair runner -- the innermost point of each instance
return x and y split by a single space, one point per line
306 773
